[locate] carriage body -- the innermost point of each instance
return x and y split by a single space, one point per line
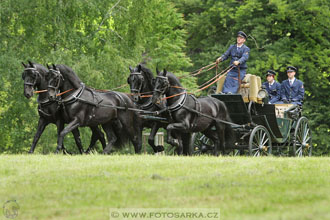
261 128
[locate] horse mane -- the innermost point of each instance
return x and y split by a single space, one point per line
70 75
173 79
147 74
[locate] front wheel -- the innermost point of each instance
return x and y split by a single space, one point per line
260 143
302 142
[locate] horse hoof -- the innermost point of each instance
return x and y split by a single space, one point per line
30 152
160 148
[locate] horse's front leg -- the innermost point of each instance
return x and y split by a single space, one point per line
42 123
71 126
151 138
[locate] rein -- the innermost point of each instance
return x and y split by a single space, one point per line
63 92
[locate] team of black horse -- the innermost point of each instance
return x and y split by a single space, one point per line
154 102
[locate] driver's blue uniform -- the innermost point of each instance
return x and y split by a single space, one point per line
242 55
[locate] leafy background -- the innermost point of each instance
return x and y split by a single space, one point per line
100 39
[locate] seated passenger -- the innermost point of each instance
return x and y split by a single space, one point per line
292 89
273 88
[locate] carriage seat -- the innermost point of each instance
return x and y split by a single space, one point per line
250 86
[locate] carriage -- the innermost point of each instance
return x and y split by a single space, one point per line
260 129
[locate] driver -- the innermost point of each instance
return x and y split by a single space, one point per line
239 55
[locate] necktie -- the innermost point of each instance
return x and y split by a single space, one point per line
290 82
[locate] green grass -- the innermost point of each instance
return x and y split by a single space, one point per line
85 187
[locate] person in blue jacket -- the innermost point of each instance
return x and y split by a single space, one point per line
273 88
239 55
292 89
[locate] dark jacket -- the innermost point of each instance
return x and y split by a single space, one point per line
241 54
274 91
294 93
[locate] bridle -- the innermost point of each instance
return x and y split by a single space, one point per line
36 74
58 77
165 82
140 77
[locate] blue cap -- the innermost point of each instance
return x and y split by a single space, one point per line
291 69
242 34
270 72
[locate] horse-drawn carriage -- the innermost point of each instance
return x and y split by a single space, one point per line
257 127
260 128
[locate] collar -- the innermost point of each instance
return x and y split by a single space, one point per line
292 80
270 84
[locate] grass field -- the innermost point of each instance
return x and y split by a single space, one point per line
85 187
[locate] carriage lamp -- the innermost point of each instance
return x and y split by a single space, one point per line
263 95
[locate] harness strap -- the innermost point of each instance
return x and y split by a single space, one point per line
207 116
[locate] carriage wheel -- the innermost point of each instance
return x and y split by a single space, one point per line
302 142
200 144
260 143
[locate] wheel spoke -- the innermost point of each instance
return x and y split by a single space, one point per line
263 144
298 151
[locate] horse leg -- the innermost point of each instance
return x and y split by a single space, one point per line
76 135
97 134
111 136
137 139
214 137
221 136
71 126
186 140
60 126
42 123
151 138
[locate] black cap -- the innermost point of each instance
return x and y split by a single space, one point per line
242 34
270 72
291 69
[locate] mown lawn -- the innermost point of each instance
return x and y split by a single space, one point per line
85 187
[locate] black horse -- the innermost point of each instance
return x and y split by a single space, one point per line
34 76
85 106
141 81
190 114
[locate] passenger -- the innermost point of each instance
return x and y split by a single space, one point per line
239 55
273 88
292 89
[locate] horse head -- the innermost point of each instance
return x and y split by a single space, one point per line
31 77
55 79
161 86
136 81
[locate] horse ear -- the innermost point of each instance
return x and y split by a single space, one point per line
54 67
157 71
48 66
139 68
31 64
24 65
130 69
164 72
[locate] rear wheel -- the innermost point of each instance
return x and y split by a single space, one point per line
260 143
302 142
